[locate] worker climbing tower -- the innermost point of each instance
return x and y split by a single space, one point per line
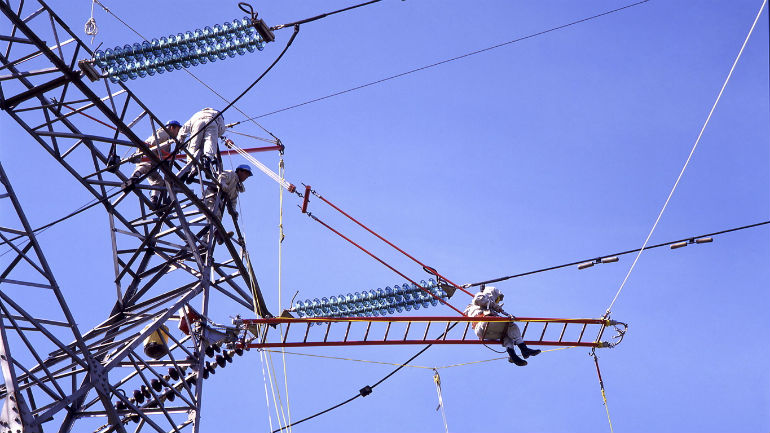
164 261
143 364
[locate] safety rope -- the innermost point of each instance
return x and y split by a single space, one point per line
437 381
689 157
601 385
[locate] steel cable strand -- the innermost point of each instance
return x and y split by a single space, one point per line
432 65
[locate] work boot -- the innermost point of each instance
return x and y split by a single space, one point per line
526 352
514 358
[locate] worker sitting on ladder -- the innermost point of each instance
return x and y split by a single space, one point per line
204 142
160 143
488 303
231 184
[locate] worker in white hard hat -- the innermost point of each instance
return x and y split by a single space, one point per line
203 134
488 302
231 182
160 143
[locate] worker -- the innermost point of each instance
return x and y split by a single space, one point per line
203 132
231 182
488 302
160 143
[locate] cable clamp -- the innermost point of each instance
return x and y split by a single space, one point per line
365 391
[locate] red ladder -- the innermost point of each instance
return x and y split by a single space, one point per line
375 331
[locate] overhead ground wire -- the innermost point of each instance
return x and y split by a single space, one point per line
433 65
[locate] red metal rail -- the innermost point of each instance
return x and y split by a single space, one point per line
456 330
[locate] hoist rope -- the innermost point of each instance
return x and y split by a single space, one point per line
687 161
280 413
264 382
281 237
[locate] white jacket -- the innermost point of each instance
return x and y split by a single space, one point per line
483 303
200 118
231 186
159 142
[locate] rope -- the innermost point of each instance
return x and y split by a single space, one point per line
90 27
281 237
437 381
267 399
601 385
408 365
687 162
422 68
276 390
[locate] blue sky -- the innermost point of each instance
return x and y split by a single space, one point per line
542 152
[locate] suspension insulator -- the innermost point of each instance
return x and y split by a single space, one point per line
173 373
156 385
221 360
182 50
209 351
138 396
378 302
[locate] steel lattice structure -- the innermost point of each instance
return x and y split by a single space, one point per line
163 260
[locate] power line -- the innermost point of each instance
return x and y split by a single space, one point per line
42 228
597 258
432 65
363 392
